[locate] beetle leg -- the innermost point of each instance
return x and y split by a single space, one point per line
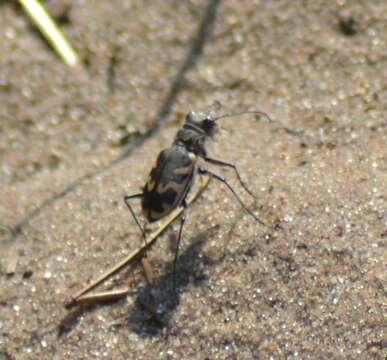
224 181
182 222
126 199
230 165
145 264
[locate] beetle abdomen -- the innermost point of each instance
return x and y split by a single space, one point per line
168 182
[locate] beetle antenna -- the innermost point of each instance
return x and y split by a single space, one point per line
261 113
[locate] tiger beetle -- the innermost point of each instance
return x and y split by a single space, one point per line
170 180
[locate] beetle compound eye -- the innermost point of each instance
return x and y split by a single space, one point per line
208 126
207 123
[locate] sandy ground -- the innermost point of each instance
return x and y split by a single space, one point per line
309 285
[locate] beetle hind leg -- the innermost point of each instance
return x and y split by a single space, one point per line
182 222
127 198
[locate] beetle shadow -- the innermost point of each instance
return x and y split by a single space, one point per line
155 305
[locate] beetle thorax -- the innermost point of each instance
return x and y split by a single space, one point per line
192 140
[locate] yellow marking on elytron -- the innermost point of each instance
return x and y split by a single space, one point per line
150 184
184 170
167 207
157 215
148 213
153 214
162 188
192 156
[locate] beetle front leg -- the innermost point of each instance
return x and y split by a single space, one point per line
230 165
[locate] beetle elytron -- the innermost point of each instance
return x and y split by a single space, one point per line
170 180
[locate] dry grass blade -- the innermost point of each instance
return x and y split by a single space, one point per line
50 30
